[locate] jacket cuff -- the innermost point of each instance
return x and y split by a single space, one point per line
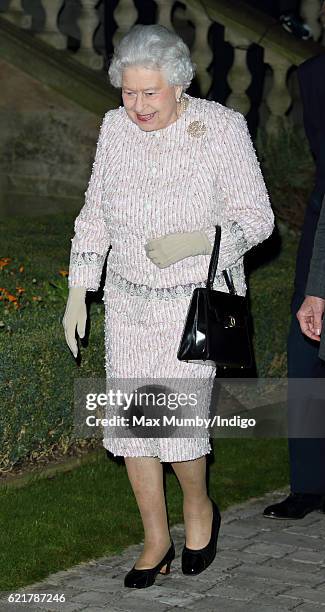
85 270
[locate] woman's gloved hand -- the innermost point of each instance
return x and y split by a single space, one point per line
75 316
167 250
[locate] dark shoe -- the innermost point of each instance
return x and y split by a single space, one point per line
296 506
294 25
143 578
196 561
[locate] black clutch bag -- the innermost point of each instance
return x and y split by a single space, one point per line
216 328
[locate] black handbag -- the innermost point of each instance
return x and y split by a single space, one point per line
216 327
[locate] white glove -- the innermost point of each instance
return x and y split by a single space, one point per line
169 249
75 316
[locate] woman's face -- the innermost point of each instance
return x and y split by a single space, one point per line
149 100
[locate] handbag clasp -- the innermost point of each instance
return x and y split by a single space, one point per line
230 321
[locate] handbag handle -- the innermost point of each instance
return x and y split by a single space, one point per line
214 264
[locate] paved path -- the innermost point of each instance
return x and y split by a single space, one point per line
261 565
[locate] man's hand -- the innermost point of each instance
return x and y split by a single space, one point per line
167 250
310 315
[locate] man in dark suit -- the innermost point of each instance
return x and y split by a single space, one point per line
307 455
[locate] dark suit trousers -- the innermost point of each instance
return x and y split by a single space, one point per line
307 455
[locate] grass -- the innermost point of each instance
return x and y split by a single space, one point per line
89 512
271 288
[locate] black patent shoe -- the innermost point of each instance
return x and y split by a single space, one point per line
143 578
295 506
196 561
294 25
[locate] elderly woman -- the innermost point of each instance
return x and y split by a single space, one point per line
168 168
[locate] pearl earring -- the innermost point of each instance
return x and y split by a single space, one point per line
183 103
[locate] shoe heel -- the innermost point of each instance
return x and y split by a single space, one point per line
167 571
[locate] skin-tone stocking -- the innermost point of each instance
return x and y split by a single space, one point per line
197 507
146 478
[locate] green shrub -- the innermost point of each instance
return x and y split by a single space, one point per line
37 369
289 170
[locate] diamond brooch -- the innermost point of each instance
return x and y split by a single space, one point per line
197 129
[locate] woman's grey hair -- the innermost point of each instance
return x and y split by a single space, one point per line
155 47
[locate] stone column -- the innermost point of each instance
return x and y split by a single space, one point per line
278 99
88 23
310 12
239 76
125 16
51 33
16 15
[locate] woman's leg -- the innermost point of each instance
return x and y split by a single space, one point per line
146 478
197 506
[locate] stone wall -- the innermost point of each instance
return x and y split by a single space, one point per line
47 145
